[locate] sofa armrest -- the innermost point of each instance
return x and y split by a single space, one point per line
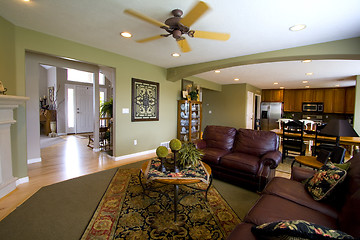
200 144
271 159
300 174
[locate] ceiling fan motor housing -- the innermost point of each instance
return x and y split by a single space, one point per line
175 27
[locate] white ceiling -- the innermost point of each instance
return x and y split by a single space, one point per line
255 26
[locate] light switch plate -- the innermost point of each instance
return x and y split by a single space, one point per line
125 110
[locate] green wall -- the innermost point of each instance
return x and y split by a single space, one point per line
7 55
228 107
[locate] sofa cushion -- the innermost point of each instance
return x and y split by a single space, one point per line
295 191
271 208
213 155
324 181
219 137
297 229
241 162
254 142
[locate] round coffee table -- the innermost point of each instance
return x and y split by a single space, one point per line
176 182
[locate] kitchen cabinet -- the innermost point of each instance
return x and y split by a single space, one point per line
272 95
336 100
289 100
350 100
189 120
339 100
318 95
308 95
329 100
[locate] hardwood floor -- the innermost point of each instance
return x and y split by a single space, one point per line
68 159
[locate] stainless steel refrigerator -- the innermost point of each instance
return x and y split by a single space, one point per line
271 112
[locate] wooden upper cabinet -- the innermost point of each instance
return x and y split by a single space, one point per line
299 99
318 95
339 100
308 95
350 100
272 95
289 100
329 100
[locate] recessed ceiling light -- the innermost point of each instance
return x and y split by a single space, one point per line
26 0
175 54
217 71
282 87
297 27
337 85
276 83
126 34
309 73
306 61
307 86
305 81
236 79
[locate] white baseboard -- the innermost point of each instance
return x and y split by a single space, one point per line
33 160
22 180
135 155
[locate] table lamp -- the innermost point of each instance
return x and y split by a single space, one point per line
339 128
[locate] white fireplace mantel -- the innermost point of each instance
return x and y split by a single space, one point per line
7 104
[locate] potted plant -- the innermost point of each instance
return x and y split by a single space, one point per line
107 108
189 155
193 95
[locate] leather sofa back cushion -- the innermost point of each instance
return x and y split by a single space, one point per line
219 137
255 142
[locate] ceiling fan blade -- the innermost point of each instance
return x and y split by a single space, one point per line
149 39
184 45
211 35
195 13
145 18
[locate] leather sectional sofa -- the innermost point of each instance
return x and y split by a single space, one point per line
244 157
287 199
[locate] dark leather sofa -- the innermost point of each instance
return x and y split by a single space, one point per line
287 199
244 157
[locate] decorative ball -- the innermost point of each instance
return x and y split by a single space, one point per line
162 152
175 144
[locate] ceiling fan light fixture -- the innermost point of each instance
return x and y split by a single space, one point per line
175 55
126 34
297 27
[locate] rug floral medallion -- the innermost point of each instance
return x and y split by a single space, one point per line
125 212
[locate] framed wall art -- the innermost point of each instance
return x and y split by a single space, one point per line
144 100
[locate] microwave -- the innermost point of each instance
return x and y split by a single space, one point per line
313 107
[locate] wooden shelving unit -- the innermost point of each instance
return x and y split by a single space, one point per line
189 120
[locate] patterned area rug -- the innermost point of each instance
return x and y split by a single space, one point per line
126 213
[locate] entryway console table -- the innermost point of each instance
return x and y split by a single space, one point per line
7 104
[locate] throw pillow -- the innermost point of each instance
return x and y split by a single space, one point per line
324 181
344 166
296 229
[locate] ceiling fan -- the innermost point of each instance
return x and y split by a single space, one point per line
178 26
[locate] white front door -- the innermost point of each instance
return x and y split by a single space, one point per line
79 109
250 111
84 109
